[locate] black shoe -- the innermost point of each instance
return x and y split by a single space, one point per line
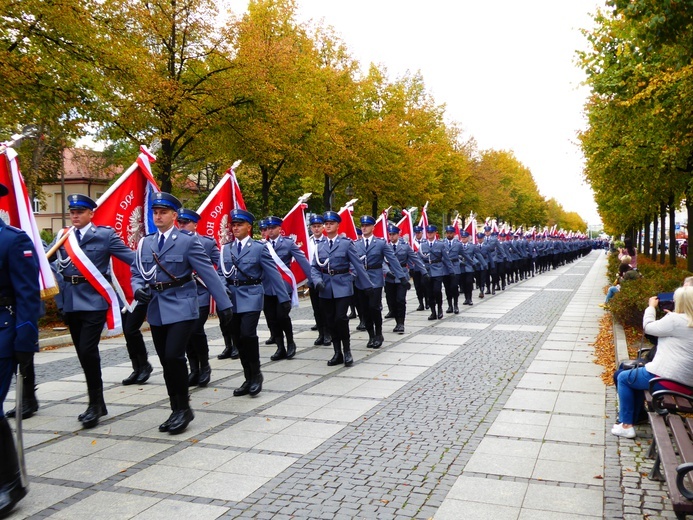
180 420
314 327
164 426
388 316
10 494
427 306
481 294
470 303
146 370
503 288
193 378
81 416
370 343
433 316
440 314
91 416
449 311
205 376
420 307
352 315
361 326
328 340
271 341
290 350
234 353
319 341
493 291
399 328
348 358
337 359
378 341
242 390
29 408
132 378
225 354
256 385
279 354
457 309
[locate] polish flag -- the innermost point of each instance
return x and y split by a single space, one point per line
294 226
125 208
406 229
471 229
380 229
423 221
347 226
16 210
457 224
215 211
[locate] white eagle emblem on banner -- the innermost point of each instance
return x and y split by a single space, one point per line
135 227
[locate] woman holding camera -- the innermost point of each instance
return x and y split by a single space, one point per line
673 360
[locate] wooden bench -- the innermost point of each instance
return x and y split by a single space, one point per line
672 448
670 401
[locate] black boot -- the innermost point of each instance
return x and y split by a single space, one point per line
320 339
352 314
314 328
146 370
256 378
399 328
434 315
229 348
271 341
194 376
337 359
280 353
30 404
420 307
389 315
194 360
164 426
132 378
348 358
361 326
290 350
328 338
205 374
181 417
95 410
11 489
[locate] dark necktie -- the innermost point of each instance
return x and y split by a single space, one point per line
240 246
274 244
394 247
330 243
78 234
366 243
162 239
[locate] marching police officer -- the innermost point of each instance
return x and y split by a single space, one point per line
84 307
20 305
395 292
374 252
317 229
468 258
435 258
416 275
332 279
197 349
162 276
451 281
285 249
245 263
484 279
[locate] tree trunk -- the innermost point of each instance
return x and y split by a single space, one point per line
264 169
327 193
165 160
655 226
374 206
672 231
639 232
662 231
646 245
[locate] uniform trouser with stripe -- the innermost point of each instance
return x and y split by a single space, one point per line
85 329
397 294
170 342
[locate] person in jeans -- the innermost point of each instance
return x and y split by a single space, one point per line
673 360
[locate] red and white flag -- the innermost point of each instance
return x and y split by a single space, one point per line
125 207
215 211
423 221
471 229
347 225
457 224
16 210
294 226
406 229
380 228
494 227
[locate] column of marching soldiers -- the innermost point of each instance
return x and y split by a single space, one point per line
175 270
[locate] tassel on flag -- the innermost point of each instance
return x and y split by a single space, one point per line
125 208
347 226
16 210
215 211
406 228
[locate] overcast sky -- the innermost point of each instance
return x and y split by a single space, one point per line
505 70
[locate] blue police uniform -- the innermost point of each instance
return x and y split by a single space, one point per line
330 272
278 319
20 305
396 292
484 275
374 253
451 281
469 261
162 275
83 306
419 286
321 325
435 257
247 267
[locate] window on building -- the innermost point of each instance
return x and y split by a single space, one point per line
37 205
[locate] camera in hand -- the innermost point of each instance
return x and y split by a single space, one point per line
666 301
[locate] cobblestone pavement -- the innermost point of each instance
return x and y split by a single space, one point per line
387 438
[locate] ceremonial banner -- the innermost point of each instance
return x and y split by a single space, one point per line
380 228
215 211
471 229
294 226
457 224
347 226
423 221
406 229
16 210
125 208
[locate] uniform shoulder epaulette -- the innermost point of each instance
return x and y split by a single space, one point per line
14 229
186 232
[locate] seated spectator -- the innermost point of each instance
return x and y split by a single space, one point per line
673 360
630 251
623 269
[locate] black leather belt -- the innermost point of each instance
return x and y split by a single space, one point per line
162 286
333 272
378 266
6 301
240 283
454 260
434 261
75 280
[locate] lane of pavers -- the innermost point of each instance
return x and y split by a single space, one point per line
230 458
